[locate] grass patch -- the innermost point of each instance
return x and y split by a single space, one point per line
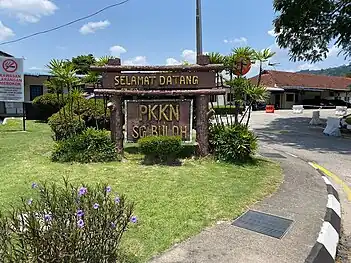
172 203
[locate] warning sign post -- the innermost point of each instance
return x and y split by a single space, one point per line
12 81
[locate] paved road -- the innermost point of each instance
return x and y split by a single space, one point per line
291 133
301 190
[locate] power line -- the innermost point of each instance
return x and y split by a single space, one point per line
64 25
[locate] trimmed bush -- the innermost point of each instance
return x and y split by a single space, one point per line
48 104
66 224
232 143
91 111
160 149
65 126
226 110
348 120
89 146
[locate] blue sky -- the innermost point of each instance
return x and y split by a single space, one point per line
141 31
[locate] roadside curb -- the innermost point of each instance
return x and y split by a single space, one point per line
325 249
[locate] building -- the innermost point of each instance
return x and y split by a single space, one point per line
287 88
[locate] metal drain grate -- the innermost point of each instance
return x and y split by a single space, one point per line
273 155
262 223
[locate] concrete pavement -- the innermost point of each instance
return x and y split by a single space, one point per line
288 132
302 197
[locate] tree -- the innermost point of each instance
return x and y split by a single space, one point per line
262 57
308 27
82 63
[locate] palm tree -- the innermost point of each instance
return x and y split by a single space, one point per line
216 58
262 57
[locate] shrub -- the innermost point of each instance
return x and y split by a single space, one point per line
160 149
89 146
348 120
66 224
65 126
91 111
48 104
232 143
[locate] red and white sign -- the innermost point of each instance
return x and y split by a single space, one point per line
11 79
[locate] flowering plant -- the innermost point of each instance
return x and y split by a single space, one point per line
66 224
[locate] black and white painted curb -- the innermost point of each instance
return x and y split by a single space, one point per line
324 251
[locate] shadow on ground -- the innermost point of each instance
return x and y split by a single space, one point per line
296 132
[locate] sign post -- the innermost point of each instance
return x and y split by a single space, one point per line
12 82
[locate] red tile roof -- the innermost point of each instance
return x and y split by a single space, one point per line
272 78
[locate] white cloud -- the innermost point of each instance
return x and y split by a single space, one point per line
116 51
137 61
5 32
308 66
189 55
38 69
333 51
172 61
92 27
272 33
28 10
240 41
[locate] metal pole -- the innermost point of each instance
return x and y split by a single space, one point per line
198 28
23 116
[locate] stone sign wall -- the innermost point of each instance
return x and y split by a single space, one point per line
157 118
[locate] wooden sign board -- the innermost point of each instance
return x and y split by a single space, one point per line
167 80
158 118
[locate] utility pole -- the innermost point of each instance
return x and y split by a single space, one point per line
198 28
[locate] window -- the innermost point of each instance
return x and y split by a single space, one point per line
290 97
213 98
35 91
230 97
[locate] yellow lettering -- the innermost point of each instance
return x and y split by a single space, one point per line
182 80
163 108
183 131
154 130
162 80
140 80
116 80
142 111
176 80
188 80
152 80
134 81
146 81
123 80
151 112
142 131
195 80
175 130
173 112
135 133
169 80
128 81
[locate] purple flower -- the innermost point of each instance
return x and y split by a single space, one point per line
96 206
30 201
80 213
47 218
82 191
108 189
80 223
113 225
134 219
117 200
34 185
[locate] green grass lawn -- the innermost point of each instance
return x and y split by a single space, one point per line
172 203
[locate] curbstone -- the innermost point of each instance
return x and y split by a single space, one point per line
325 249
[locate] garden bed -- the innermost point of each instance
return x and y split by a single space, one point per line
172 203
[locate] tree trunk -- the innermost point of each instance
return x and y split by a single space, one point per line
202 127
